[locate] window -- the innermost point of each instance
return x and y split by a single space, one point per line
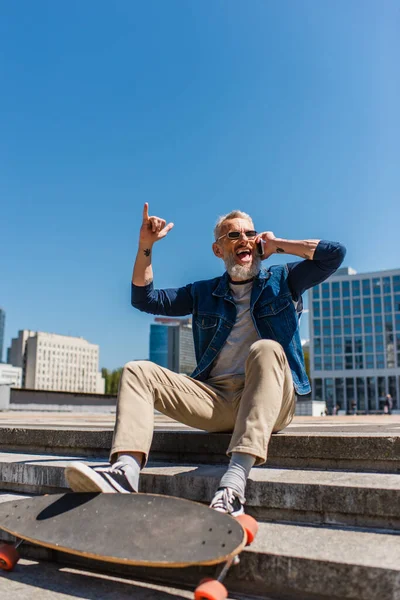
317 345
369 361
377 306
361 393
371 393
350 395
336 308
380 361
327 346
338 363
329 393
379 343
339 389
366 287
316 292
356 306
338 345
396 283
378 324
347 326
367 306
386 285
388 304
348 361
368 324
325 290
328 363
396 302
357 325
317 326
355 288
346 306
376 286
318 389
358 345
335 289
317 309
326 323
359 362
337 327
369 346
326 308
345 289
348 345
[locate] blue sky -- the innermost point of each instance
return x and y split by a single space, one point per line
288 110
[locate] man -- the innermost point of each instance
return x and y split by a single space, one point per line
250 363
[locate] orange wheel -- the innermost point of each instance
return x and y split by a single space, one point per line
8 557
250 526
211 590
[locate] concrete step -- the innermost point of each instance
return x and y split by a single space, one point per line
41 580
321 450
286 561
307 496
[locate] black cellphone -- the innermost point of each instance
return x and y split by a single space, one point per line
260 249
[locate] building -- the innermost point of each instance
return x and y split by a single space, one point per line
56 362
171 344
355 339
10 375
2 328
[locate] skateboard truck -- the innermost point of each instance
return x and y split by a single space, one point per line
213 589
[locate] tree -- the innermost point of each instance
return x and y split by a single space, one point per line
112 380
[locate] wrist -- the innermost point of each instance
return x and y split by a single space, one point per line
145 246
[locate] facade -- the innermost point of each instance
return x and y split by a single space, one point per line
171 344
57 362
10 375
2 327
355 340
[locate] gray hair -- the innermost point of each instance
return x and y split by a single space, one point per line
234 214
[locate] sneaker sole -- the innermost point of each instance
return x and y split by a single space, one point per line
82 478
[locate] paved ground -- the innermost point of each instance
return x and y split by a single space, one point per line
48 581
350 425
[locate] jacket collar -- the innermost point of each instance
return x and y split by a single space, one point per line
260 280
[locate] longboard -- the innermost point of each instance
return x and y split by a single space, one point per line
133 529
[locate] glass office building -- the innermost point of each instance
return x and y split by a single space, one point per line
355 340
2 327
171 344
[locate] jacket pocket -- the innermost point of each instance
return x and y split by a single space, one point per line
206 322
273 308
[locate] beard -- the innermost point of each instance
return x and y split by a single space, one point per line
242 272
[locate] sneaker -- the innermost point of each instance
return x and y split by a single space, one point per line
111 480
227 501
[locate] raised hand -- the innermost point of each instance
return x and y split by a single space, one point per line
153 229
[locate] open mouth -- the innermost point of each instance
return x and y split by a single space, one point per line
243 255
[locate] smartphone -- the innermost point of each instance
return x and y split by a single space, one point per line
260 248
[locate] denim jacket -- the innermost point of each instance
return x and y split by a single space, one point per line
214 314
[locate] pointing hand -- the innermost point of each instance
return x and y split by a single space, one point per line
153 229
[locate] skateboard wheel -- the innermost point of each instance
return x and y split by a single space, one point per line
211 590
8 557
250 526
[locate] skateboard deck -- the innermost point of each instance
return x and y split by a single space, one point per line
133 529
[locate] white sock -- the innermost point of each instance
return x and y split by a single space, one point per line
133 469
238 472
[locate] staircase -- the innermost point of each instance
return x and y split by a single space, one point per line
328 504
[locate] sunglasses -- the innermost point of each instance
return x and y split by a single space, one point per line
235 235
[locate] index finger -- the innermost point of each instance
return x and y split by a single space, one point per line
146 211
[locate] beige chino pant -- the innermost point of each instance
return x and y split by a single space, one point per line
251 406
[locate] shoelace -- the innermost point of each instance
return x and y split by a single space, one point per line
115 468
224 500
